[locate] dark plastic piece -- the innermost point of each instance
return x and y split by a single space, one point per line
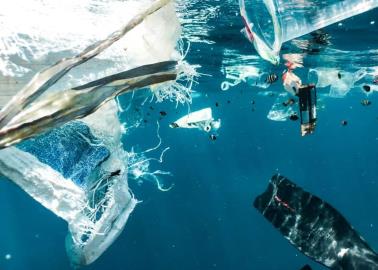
306 267
314 227
307 108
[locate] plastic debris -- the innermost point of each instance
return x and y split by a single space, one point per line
96 202
291 82
202 119
268 24
367 88
294 117
314 227
87 186
26 115
280 112
307 108
340 82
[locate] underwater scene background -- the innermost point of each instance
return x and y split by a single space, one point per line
206 220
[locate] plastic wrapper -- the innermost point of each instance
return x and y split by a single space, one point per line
78 170
340 82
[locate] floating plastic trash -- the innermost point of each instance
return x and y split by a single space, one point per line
279 112
314 227
202 119
307 108
340 82
86 186
78 169
25 115
291 82
269 23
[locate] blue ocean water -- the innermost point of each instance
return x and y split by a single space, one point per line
207 220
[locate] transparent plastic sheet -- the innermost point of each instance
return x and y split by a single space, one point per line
278 112
94 200
269 23
340 82
242 69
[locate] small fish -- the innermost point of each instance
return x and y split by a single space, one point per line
316 33
213 137
294 117
366 88
365 102
321 38
145 121
313 50
289 102
228 101
271 78
151 108
216 104
115 173
339 75
163 113
344 122
148 114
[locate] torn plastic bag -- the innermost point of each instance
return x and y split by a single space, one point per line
340 82
86 186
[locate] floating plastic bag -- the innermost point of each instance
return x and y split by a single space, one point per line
340 82
79 169
79 177
269 23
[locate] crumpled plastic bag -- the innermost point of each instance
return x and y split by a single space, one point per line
340 82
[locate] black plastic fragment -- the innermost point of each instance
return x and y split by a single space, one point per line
306 267
314 227
366 88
